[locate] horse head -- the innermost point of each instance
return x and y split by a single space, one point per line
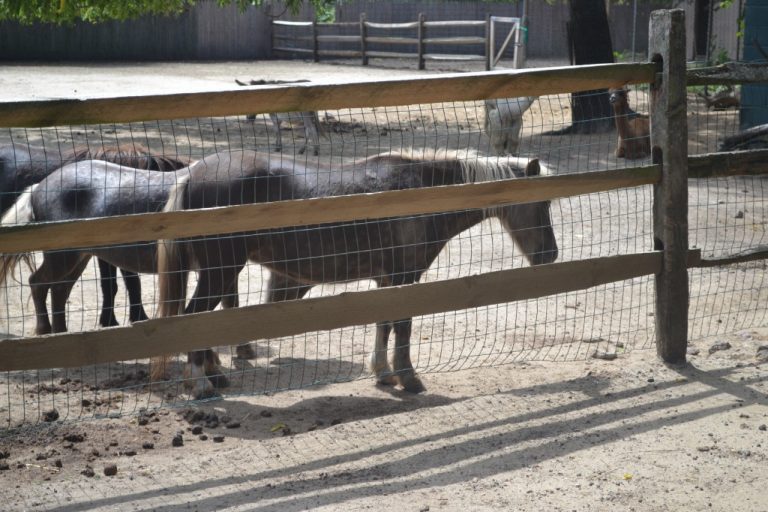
530 225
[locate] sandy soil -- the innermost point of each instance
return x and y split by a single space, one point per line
518 415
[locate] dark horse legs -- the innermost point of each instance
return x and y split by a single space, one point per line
213 286
109 291
403 368
281 288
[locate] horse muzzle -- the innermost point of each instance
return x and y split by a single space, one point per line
545 255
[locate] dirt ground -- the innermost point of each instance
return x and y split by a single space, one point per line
517 415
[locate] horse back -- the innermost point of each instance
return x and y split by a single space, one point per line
231 178
95 188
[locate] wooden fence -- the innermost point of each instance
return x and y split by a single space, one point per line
377 39
669 173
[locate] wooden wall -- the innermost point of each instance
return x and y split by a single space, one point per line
208 32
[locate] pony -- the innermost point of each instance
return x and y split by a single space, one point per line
504 122
634 129
391 252
90 188
22 165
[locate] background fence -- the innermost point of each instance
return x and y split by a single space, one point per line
420 40
207 31
598 299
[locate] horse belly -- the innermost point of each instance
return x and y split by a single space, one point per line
140 258
381 251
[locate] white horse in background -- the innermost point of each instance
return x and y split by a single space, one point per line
504 122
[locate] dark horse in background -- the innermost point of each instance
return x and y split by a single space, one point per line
391 252
22 165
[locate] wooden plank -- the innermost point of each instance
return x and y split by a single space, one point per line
455 23
251 217
292 23
455 40
447 56
721 165
392 55
391 40
292 38
339 24
504 19
755 254
282 49
339 39
239 325
340 53
732 73
670 199
312 96
392 26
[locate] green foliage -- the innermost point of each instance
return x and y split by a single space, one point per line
719 56
96 11
325 11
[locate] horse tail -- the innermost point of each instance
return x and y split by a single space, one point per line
172 272
21 212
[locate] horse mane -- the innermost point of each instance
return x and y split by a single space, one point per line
474 166
133 155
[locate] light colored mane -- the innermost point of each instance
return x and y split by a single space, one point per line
475 167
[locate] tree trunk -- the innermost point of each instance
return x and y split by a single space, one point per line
590 44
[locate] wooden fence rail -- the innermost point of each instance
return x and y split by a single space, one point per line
304 212
239 325
309 40
308 96
669 262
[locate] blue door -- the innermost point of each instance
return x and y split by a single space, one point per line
754 98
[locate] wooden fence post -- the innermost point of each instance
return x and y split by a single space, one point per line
420 34
669 136
522 38
315 54
363 36
490 44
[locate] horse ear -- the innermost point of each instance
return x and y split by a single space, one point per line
533 168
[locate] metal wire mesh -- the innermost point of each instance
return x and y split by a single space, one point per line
605 319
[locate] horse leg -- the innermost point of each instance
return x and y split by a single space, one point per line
311 131
231 299
203 365
279 288
378 360
55 268
62 288
40 283
402 360
108 274
136 311
196 363
278 138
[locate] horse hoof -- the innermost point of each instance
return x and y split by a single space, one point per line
412 384
386 380
138 317
219 380
245 351
207 394
108 322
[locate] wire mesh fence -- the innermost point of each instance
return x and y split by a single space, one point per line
603 320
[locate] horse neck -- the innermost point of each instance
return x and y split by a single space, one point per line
621 110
